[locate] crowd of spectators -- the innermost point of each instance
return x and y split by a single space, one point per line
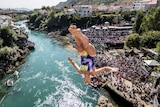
131 67
103 37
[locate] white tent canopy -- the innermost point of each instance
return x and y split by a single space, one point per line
155 74
152 62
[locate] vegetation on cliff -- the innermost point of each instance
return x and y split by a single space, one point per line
58 20
89 2
17 17
146 30
13 47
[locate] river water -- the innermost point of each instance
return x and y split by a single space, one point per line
47 79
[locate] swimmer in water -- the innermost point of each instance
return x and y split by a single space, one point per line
87 52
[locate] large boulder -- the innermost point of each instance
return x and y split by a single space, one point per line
30 45
103 102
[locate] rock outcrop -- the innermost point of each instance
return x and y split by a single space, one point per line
10 61
103 102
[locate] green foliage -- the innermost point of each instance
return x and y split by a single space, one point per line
33 16
102 1
132 40
151 21
1 42
51 22
58 20
158 69
63 20
85 2
46 8
8 36
156 19
127 15
148 27
16 17
6 51
52 14
109 18
150 39
138 21
39 20
91 2
75 17
158 47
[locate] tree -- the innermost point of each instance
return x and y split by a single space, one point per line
158 69
39 21
132 40
139 17
76 17
158 47
44 8
1 42
156 20
150 39
126 15
33 17
63 20
8 36
151 21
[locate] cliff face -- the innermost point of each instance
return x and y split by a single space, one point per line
90 2
15 58
83 2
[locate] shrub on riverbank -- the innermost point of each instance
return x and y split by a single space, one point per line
6 51
8 36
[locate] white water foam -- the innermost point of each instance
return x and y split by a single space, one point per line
61 66
67 94
33 76
59 63
37 93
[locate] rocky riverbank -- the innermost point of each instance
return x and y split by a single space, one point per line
10 61
103 102
64 40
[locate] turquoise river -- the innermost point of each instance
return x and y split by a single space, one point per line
48 80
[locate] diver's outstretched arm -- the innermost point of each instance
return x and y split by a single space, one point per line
75 66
